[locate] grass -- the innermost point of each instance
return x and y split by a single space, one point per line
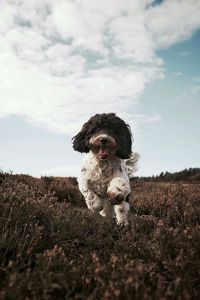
53 247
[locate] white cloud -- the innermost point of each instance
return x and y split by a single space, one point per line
62 61
185 53
191 93
177 73
67 170
173 21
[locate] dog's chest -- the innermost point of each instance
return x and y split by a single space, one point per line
100 177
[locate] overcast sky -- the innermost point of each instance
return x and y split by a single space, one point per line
63 61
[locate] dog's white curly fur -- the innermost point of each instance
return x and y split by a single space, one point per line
100 181
107 166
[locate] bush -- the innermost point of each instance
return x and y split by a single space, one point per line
52 247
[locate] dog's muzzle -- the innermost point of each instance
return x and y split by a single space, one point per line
104 145
103 154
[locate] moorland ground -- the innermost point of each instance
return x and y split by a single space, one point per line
53 247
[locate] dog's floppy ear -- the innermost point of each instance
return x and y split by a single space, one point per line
80 140
79 143
124 143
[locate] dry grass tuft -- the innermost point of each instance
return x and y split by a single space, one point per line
52 247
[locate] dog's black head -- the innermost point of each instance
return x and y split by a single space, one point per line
104 134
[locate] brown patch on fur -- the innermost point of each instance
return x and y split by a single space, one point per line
111 195
115 199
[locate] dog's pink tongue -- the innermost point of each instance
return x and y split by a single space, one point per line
103 153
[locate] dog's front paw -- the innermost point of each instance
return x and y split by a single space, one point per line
95 205
118 190
115 199
121 213
122 223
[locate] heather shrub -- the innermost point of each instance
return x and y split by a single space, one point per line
52 247
65 189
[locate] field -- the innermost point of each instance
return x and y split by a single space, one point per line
53 247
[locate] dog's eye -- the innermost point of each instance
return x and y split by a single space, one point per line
112 146
94 148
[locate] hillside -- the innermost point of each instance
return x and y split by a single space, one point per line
53 247
191 175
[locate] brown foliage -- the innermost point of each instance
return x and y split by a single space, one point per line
52 247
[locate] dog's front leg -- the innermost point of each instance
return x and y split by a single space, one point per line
121 212
118 191
108 209
92 200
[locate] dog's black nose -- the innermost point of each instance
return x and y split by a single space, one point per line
103 141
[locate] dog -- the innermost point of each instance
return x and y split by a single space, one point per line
108 164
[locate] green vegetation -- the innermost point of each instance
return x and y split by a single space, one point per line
53 247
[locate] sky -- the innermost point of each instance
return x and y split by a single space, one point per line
63 61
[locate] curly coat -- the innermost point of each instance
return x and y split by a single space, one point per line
104 177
